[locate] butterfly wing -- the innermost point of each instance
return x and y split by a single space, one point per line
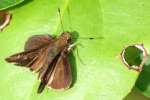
44 76
61 76
41 60
58 75
37 41
23 58
34 52
34 59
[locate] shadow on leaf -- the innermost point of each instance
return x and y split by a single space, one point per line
143 81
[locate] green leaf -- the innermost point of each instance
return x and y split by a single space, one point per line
143 82
4 4
103 76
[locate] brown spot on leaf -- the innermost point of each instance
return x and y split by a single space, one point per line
5 18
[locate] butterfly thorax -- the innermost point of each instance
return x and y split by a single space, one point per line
63 41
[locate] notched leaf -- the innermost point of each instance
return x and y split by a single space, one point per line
134 56
5 18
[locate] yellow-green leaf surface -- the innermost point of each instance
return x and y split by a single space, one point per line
4 4
102 76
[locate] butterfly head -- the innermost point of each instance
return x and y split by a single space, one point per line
66 36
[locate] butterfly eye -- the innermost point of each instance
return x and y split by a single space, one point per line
69 40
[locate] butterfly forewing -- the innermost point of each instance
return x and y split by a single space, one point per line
61 76
35 50
37 41
23 58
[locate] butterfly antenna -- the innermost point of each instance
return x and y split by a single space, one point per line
69 18
60 19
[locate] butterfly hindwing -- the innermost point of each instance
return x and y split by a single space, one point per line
61 76
44 76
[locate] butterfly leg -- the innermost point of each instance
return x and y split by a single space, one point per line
72 46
